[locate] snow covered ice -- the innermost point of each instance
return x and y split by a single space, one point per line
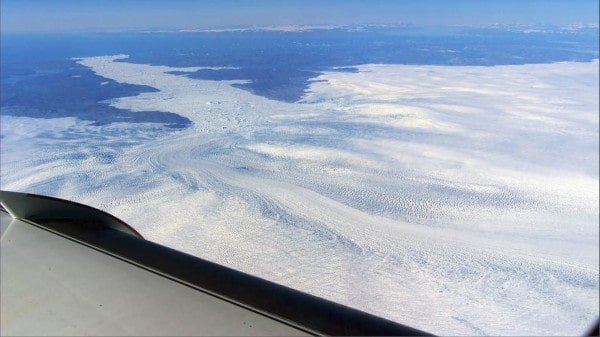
448 198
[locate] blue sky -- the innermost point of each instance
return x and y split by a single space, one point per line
110 15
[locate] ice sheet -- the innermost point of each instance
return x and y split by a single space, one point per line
459 200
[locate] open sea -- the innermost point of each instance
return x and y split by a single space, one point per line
40 79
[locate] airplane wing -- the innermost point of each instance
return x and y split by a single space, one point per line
69 269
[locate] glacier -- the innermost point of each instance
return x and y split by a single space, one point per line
455 199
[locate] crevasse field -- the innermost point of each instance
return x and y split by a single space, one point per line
457 199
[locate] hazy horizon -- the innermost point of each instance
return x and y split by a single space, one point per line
34 16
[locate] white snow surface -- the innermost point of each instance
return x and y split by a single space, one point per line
458 200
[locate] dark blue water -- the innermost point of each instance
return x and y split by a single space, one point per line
37 75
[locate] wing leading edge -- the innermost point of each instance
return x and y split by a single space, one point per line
69 269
